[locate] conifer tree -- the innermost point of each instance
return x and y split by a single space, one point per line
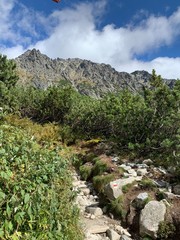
8 73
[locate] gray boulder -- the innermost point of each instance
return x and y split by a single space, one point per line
176 189
140 201
114 189
96 211
150 217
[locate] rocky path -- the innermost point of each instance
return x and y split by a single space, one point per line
96 225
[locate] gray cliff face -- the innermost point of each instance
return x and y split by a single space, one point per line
93 79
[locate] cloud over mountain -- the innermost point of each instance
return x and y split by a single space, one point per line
75 33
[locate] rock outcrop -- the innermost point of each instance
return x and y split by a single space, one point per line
89 78
114 189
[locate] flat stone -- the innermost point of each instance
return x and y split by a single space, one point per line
96 211
97 229
113 235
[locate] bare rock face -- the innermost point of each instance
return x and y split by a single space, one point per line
152 214
88 78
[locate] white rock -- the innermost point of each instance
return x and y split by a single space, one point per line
96 211
150 217
113 235
85 191
141 171
114 189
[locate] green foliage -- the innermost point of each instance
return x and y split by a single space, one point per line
147 184
99 167
145 124
99 182
165 230
57 103
8 74
117 207
47 133
85 171
127 187
35 190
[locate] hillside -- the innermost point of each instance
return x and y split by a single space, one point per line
88 78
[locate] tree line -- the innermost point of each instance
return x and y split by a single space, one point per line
145 124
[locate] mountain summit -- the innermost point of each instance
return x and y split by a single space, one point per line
89 78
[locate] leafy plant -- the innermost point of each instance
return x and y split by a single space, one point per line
35 190
165 230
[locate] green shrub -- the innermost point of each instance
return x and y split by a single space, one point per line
147 184
99 182
166 230
99 168
85 171
117 207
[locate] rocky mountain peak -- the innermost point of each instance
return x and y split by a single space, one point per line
89 78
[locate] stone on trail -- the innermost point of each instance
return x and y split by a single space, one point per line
140 201
114 189
176 189
113 235
125 237
150 218
96 211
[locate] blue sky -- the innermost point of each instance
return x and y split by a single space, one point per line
127 34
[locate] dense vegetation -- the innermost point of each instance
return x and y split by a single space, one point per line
36 197
145 124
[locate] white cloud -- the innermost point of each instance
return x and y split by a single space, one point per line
74 32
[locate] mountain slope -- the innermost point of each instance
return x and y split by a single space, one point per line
88 78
